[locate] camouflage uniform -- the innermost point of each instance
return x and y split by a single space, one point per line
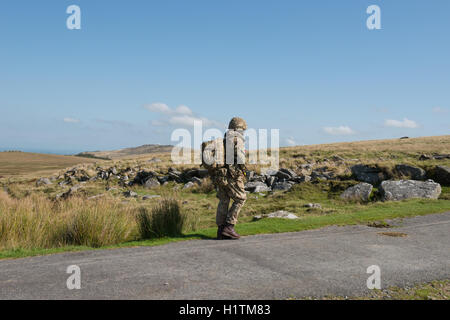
230 179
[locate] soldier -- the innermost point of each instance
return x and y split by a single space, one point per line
229 180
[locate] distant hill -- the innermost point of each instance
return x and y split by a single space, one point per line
127 152
15 163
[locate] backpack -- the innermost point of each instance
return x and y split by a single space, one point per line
213 154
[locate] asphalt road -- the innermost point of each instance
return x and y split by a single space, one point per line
329 261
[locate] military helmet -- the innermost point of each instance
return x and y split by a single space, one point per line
237 123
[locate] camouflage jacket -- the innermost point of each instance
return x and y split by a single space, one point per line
235 152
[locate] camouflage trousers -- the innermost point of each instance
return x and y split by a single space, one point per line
234 190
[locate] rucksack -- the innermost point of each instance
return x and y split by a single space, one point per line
213 154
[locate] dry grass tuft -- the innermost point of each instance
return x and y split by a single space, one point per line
206 186
38 222
393 234
166 219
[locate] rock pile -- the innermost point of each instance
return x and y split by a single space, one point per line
271 180
414 187
414 173
70 192
127 176
368 174
441 174
277 214
408 189
284 179
43 181
434 156
359 192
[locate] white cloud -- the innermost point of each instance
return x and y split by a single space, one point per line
186 120
440 110
290 142
71 120
163 108
341 130
183 110
180 116
406 123
159 107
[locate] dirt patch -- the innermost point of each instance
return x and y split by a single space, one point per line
393 234
379 224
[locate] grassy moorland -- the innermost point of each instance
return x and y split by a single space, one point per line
34 221
38 225
23 163
144 150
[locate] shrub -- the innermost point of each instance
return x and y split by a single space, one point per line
165 219
205 187
144 221
99 225
26 223
37 222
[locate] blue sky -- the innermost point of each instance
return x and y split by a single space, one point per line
139 69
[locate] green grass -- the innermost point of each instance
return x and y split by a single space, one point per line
435 290
375 212
200 203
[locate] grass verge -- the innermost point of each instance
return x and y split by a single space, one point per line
364 215
435 290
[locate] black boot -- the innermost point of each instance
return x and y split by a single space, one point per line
220 236
228 231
